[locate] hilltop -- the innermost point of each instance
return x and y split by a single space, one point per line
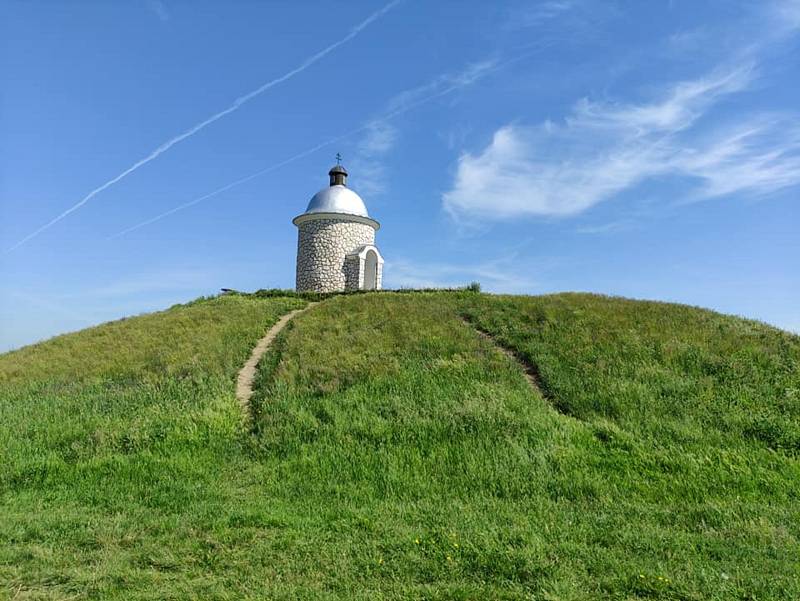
437 445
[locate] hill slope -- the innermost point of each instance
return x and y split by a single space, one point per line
395 452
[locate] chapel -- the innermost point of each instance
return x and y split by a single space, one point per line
336 241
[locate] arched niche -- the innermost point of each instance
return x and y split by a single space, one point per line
371 270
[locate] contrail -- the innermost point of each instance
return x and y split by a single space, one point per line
186 205
300 155
283 163
193 130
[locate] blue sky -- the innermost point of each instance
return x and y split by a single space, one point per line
155 151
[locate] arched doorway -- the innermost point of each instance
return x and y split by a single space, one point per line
371 270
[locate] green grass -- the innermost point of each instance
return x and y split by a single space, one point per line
394 453
115 446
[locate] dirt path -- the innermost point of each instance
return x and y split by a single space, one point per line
244 381
530 371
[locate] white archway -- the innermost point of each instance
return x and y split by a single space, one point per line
371 270
364 268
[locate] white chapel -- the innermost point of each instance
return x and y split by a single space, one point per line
336 241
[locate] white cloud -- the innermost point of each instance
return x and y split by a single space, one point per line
602 149
758 157
681 106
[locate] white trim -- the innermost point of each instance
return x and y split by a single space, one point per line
306 217
362 251
361 254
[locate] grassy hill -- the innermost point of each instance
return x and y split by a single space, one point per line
394 451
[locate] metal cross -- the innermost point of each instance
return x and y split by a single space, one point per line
338 159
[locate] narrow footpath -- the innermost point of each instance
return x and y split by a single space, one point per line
244 381
530 371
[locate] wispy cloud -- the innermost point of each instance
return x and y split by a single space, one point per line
606 228
380 137
159 8
215 117
784 16
443 84
537 13
760 25
683 104
688 41
570 22
602 149
758 157
367 166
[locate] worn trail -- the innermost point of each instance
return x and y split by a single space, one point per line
529 369
244 381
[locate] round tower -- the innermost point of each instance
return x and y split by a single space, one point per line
336 241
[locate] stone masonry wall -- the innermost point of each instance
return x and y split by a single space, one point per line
322 245
352 272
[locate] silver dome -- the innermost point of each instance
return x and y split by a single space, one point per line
337 199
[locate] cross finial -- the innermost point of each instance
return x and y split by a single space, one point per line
338 159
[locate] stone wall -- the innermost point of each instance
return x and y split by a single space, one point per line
352 272
322 245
